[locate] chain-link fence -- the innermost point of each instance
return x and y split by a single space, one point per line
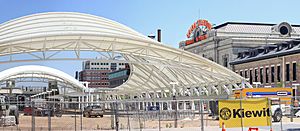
109 115
130 115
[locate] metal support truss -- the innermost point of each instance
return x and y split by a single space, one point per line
153 65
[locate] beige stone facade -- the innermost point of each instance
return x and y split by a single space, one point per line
225 41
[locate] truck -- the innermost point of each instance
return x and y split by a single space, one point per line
280 99
43 108
9 114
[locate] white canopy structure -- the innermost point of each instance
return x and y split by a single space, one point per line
34 71
154 66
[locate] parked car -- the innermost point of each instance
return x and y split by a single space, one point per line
93 110
38 111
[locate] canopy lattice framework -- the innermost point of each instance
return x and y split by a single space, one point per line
153 65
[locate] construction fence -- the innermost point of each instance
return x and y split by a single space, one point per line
200 115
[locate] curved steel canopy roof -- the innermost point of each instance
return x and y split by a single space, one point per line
41 72
153 65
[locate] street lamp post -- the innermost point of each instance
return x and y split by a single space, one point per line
174 98
295 85
54 90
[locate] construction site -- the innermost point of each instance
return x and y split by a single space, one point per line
160 87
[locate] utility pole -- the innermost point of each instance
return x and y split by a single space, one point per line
174 98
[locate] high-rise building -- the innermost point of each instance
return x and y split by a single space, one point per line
96 72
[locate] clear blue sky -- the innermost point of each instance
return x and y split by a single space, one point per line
173 16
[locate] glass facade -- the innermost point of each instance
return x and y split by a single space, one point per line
117 74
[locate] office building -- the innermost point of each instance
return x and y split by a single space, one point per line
96 72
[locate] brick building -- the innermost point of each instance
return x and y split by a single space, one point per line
96 78
96 72
276 65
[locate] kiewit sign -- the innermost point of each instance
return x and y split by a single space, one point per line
246 113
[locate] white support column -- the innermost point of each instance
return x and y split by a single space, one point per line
123 106
184 105
82 100
169 105
193 104
86 100
161 105
92 98
209 90
97 98
79 106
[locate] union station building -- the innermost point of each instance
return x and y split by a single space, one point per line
223 43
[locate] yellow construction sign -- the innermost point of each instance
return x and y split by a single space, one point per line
244 113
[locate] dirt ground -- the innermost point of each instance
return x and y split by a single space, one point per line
67 122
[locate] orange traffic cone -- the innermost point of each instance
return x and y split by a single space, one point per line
223 127
252 129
